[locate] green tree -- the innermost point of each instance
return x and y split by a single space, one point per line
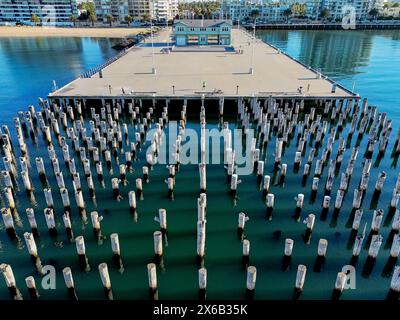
92 18
73 19
89 7
146 17
90 11
254 14
205 9
110 19
374 13
128 19
35 19
299 9
197 12
324 14
391 4
287 13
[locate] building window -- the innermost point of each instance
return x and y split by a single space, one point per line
203 29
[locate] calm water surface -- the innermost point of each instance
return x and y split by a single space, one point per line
369 60
27 67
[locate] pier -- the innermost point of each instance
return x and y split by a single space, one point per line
250 68
322 169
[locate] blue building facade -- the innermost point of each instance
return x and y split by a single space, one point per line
202 32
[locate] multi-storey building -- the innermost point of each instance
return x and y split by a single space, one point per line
338 8
267 11
141 8
119 9
165 10
50 12
313 8
273 10
391 12
102 9
173 7
187 14
160 10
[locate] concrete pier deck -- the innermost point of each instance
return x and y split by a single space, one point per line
225 73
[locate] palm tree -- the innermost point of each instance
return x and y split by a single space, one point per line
197 12
73 19
374 13
92 18
35 19
129 19
325 14
254 14
146 17
287 13
110 19
299 9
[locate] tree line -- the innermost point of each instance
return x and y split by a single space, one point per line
200 9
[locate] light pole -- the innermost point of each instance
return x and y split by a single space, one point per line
154 71
166 24
238 14
252 48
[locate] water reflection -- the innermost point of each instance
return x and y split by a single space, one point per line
28 65
368 59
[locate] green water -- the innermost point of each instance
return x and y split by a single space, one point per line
29 65
367 59
370 58
177 278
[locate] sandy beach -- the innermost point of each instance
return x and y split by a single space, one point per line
24 31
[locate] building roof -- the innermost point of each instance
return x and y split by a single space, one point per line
202 23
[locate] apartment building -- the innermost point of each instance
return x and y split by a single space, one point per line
102 9
267 11
141 8
273 10
160 10
338 8
50 12
165 10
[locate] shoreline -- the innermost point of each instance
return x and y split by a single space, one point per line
321 26
33 32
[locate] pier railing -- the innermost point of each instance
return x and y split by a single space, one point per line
89 73
317 72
